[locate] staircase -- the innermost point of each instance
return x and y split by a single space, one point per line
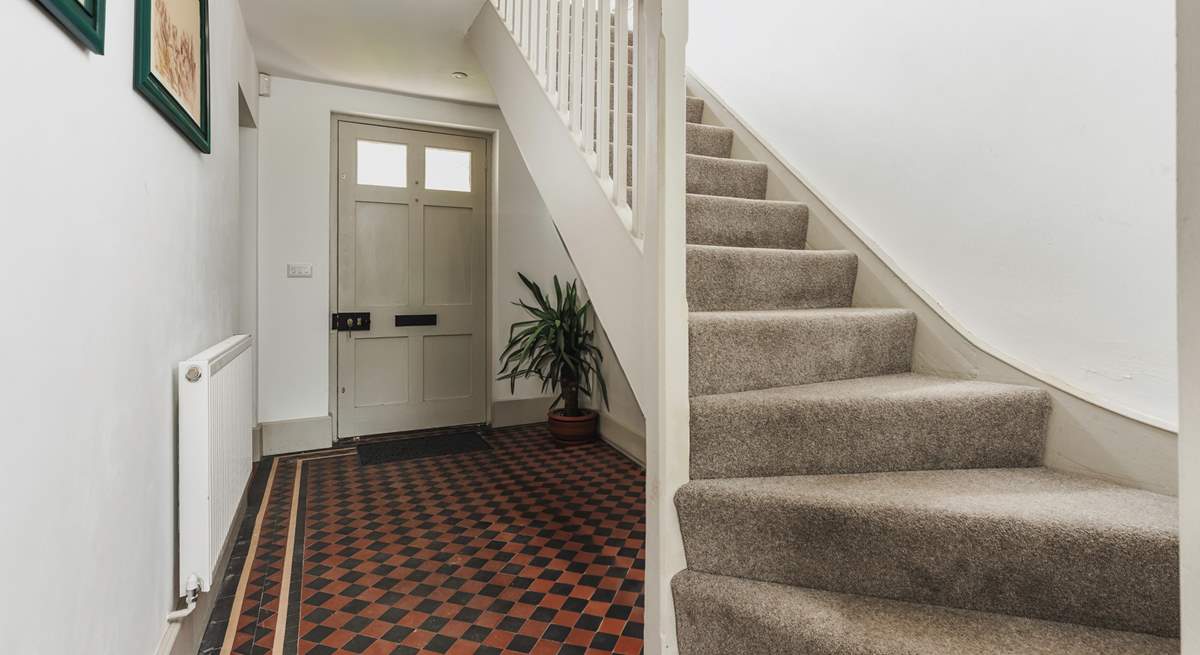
840 503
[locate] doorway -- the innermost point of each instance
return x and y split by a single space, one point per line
410 289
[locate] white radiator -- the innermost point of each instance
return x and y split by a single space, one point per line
215 432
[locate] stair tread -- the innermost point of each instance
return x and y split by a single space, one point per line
719 614
756 315
1025 495
747 201
905 421
897 388
1022 541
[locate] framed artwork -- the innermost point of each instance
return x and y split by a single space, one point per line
82 18
170 64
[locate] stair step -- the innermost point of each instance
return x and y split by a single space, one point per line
720 615
722 278
717 176
695 109
897 422
740 351
720 221
1026 542
709 140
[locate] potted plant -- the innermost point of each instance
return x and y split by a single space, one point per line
555 346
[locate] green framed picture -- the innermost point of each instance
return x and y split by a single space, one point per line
170 64
84 19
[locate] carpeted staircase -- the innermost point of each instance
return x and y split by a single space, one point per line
842 504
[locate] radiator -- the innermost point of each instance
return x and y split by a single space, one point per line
216 419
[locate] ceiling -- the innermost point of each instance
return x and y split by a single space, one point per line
409 46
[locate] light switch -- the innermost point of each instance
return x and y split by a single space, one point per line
299 270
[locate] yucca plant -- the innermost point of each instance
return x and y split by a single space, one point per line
555 346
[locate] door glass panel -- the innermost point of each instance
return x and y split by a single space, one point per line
382 164
447 170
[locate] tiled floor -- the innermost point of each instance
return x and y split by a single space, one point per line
526 548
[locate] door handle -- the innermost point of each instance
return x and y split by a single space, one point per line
414 320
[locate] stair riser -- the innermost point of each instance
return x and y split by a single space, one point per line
720 616
733 436
980 563
709 140
695 109
726 177
738 354
731 279
746 223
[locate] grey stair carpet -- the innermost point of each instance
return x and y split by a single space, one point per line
728 278
709 140
721 221
718 615
739 351
1029 542
842 504
717 176
897 422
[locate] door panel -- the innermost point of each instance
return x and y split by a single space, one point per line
404 249
381 230
448 361
381 371
448 235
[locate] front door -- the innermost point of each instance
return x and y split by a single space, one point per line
411 253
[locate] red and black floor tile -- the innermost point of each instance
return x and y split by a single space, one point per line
524 548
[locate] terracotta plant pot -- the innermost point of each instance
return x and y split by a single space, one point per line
571 430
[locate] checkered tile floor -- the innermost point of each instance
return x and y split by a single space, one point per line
526 548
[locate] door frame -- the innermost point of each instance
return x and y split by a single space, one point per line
490 168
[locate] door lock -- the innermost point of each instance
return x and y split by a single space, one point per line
352 321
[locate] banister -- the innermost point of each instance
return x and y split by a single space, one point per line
630 136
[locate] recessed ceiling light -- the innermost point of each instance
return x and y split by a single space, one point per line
459 75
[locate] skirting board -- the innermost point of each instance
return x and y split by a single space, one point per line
296 435
623 438
520 411
184 638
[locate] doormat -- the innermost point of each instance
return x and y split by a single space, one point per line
421 447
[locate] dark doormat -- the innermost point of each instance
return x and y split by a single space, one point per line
421 447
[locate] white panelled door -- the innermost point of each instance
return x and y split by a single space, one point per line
411 253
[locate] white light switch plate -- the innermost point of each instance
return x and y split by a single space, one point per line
299 270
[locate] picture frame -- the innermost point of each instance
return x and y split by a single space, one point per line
170 64
83 19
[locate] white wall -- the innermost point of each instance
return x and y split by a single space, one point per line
1016 160
294 150
1189 321
120 257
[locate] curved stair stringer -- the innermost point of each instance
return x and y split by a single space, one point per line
1083 435
606 255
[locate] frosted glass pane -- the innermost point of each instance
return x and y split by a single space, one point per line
447 170
382 164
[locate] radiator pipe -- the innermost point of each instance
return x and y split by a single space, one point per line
193 590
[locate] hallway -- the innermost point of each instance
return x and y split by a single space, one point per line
524 548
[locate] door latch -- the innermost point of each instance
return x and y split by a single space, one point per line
352 321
